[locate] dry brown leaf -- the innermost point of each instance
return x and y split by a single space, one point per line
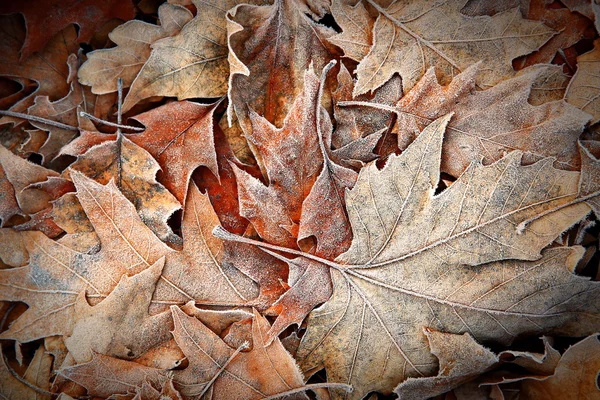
584 89
266 77
575 376
423 253
55 275
410 37
492 122
120 325
105 376
357 29
21 174
133 40
220 372
133 170
461 359
179 135
50 76
192 63
37 375
199 272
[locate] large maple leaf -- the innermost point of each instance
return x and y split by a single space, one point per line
409 37
421 260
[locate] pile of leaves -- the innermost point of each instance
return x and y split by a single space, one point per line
299 199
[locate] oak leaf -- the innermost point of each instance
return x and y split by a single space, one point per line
220 372
424 253
267 77
120 325
410 37
133 40
192 63
56 274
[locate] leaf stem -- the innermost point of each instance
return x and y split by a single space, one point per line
41 120
108 123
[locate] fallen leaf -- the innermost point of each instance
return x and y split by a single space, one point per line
192 63
584 89
224 373
45 18
50 76
105 376
492 122
120 325
575 376
461 359
133 170
357 25
266 77
133 40
37 375
55 275
423 253
410 37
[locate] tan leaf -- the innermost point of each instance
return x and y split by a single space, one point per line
51 76
105 376
133 40
575 376
55 275
461 359
133 170
266 76
179 136
37 375
357 25
423 252
221 372
120 325
492 122
21 174
584 89
192 63
410 37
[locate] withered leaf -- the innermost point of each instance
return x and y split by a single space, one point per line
575 376
133 170
266 76
56 274
357 26
120 325
178 135
492 122
50 76
219 372
105 376
45 18
37 375
424 253
584 89
133 40
410 37
192 63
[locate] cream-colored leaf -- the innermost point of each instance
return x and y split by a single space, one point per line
411 36
356 23
133 40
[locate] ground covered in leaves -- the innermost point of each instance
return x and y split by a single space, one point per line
324 199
